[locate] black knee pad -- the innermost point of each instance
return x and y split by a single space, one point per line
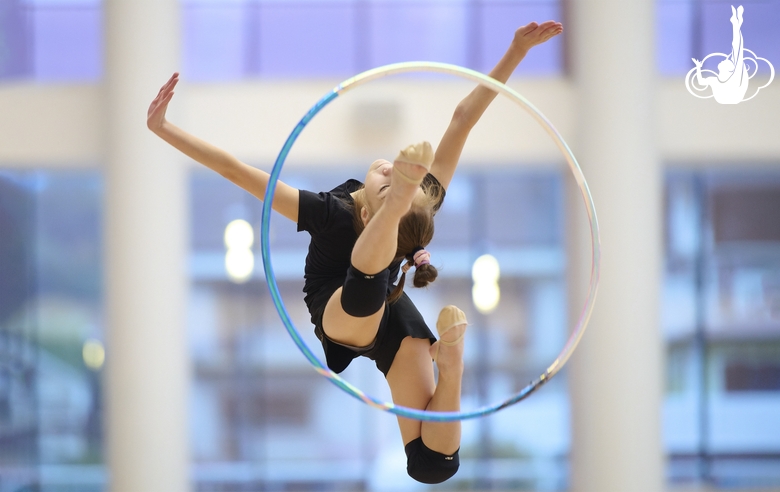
363 294
428 466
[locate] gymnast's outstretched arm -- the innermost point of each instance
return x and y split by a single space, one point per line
470 110
247 177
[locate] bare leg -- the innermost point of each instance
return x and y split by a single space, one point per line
376 247
412 385
445 437
373 252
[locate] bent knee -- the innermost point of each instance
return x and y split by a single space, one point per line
428 466
363 295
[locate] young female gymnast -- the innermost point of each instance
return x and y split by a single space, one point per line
361 233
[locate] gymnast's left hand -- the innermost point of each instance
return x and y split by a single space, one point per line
533 34
155 117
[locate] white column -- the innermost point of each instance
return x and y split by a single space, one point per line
146 251
616 375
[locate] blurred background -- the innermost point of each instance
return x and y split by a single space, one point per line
76 187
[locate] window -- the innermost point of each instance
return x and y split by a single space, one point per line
51 41
51 328
753 375
338 38
722 326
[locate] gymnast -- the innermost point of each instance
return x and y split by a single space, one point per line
362 236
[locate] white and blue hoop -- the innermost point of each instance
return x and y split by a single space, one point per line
501 88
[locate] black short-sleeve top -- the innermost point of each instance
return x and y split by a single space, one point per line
328 218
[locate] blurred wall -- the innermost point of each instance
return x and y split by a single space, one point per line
53 125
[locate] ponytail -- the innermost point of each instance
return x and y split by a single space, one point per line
415 231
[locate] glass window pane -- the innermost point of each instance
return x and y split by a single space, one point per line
759 29
499 20
744 269
55 312
454 221
753 375
307 39
68 43
525 209
214 42
696 28
722 326
15 40
336 38
683 236
19 428
406 31
674 35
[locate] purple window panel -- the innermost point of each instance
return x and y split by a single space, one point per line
306 39
68 43
15 39
499 20
716 29
423 31
674 37
214 40
759 30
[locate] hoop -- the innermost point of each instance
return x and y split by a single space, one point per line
497 86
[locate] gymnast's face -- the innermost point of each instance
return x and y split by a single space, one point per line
377 185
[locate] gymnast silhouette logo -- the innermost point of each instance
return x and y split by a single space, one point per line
730 84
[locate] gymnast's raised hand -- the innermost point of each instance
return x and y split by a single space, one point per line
363 235
470 110
247 177
155 117
533 34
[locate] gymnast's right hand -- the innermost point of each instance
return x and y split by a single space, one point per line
155 117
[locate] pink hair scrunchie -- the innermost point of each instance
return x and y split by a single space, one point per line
421 257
